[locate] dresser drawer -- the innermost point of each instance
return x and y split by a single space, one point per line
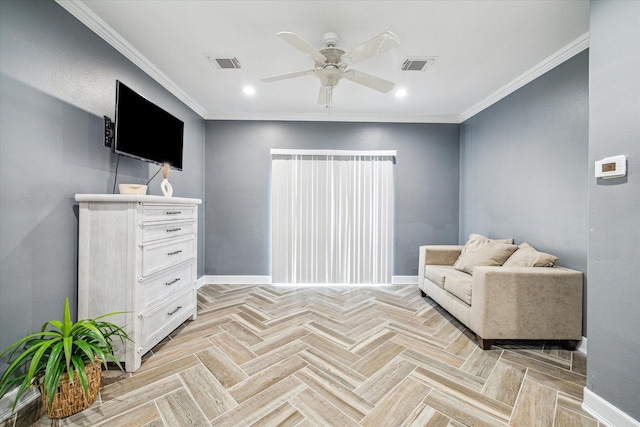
159 212
158 286
158 256
167 316
165 229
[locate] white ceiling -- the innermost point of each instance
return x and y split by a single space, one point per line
484 49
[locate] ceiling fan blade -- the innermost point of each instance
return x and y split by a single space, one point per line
295 41
287 76
373 47
322 95
368 80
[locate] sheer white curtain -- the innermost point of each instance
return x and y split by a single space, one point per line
332 216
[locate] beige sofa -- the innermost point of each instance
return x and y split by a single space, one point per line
523 303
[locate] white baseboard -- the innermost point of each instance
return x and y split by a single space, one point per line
6 403
237 280
266 280
201 282
404 280
605 412
582 347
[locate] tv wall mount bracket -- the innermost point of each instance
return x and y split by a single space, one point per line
109 132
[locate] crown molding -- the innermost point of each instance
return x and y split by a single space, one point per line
85 15
567 52
315 117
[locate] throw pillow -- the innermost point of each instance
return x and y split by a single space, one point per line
528 256
488 254
476 241
474 236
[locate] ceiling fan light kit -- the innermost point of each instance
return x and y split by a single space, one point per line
331 63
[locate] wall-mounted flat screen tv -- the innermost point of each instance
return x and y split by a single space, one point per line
145 131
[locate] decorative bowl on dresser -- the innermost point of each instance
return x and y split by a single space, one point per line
138 254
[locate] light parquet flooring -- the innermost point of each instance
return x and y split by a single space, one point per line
334 356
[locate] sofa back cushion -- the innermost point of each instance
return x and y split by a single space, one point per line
480 250
477 240
528 256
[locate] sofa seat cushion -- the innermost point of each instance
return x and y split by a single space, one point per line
459 285
437 273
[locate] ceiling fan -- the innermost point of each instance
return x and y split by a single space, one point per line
331 63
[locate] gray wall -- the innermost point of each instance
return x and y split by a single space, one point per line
57 80
238 185
613 367
523 166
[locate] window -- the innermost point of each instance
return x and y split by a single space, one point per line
332 216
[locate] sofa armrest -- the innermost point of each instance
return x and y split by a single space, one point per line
526 303
437 255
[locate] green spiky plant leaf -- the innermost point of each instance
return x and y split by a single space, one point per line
60 347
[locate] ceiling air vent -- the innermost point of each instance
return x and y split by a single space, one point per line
417 64
224 62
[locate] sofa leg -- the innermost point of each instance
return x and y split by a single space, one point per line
483 343
422 293
570 345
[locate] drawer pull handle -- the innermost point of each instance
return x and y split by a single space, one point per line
174 212
174 253
174 311
177 279
171 230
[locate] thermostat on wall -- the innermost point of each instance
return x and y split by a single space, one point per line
611 167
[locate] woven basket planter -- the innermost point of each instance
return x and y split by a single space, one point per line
70 398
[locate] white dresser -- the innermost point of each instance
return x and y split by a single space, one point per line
138 255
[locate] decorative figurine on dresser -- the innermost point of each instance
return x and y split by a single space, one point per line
138 255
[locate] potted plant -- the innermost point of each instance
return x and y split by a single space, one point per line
64 360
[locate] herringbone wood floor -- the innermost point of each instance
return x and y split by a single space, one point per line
335 356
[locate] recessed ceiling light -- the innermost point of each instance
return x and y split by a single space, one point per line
401 93
249 90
